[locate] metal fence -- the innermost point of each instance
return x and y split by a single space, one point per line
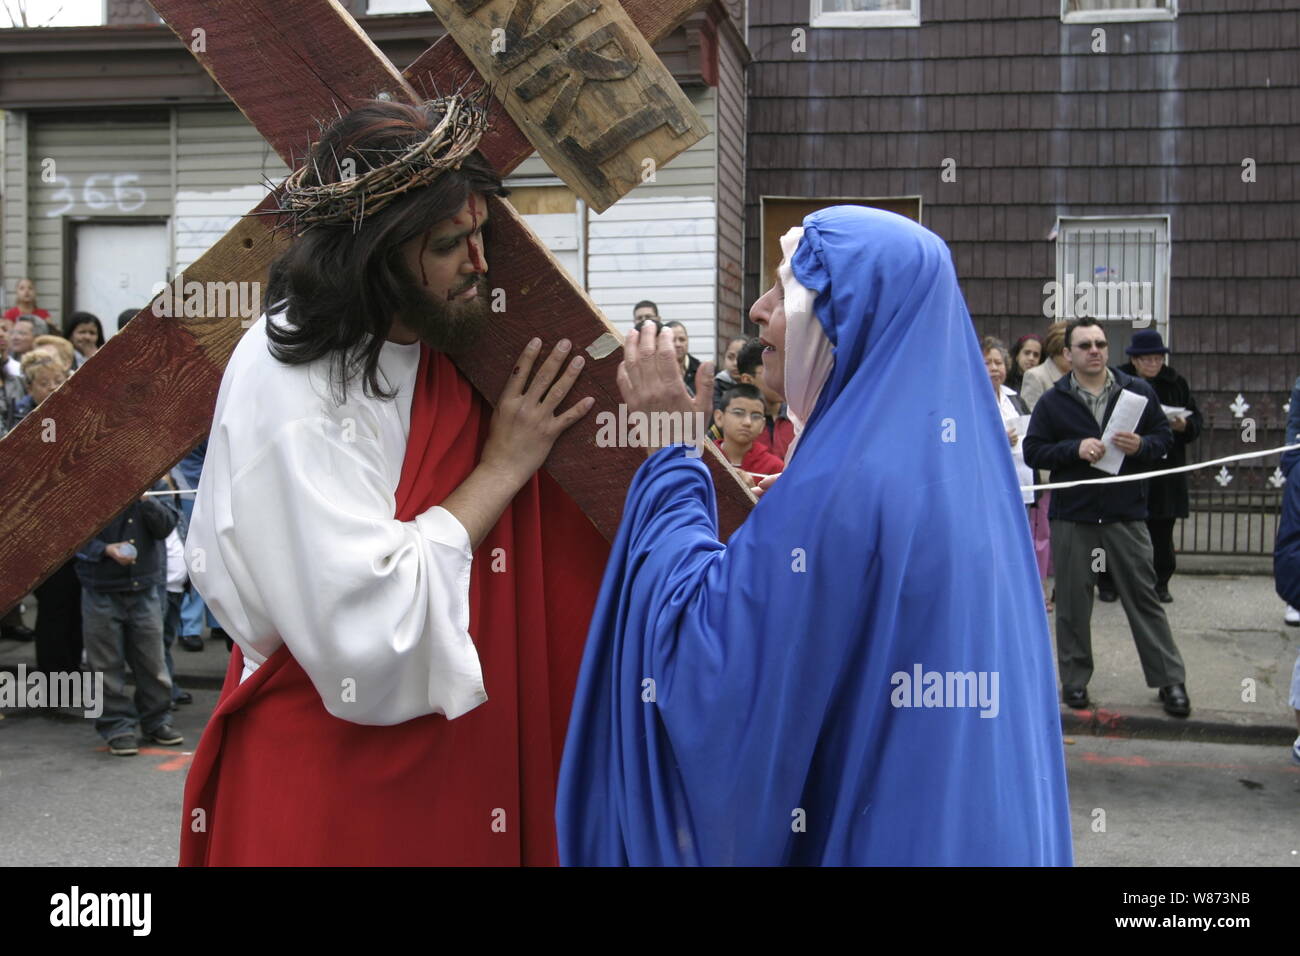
1240 520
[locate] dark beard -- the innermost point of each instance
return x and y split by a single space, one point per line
450 327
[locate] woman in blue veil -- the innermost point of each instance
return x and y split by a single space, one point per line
863 673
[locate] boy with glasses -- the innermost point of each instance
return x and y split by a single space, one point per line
741 420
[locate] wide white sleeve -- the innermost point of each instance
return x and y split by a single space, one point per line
375 610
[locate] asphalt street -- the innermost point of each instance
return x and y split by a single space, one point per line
64 801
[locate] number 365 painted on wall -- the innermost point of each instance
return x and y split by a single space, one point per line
95 193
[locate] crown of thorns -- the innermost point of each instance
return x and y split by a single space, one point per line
390 173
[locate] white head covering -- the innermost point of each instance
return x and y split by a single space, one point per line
809 356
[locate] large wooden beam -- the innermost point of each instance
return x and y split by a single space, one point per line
147 397
585 85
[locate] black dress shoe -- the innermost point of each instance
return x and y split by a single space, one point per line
1174 697
1076 697
191 642
1163 594
1107 595
17 632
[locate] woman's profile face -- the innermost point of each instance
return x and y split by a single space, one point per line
997 368
768 313
729 357
1031 353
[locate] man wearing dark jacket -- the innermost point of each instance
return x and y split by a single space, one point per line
122 621
1102 527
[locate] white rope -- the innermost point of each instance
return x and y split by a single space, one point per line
1143 476
1108 480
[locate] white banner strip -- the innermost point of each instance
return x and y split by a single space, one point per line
1115 479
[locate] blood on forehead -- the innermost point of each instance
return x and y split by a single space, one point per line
475 259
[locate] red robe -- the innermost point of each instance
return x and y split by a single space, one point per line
278 780
759 460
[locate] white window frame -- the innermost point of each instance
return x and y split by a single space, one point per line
1119 16
386 7
1160 279
866 18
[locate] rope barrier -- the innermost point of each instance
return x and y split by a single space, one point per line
1051 486
1144 476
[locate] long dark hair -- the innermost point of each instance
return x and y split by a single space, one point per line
84 318
342 285
1015 374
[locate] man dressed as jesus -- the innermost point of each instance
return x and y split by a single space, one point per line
378 542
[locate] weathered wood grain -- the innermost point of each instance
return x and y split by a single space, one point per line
126 417
582 83
541 300
288 65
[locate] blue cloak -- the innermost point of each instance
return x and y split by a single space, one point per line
863 673
1286 546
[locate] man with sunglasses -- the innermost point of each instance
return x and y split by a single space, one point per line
1102 526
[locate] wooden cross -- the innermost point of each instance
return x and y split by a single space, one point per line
574 78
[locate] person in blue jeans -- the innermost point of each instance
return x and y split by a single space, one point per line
120 570
171 594
193 611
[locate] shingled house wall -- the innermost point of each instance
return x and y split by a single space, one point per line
1040 127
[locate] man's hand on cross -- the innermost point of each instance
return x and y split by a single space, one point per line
525 425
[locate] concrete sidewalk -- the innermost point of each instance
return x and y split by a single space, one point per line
1230 631
1228 627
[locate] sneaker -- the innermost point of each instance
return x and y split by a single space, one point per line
191 642
1295 750
123 745
165 735
1292 616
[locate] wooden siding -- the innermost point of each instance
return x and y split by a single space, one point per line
221 165
730 185
1040 127
109 166
13 190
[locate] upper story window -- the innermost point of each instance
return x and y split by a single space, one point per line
866 13
396 6
1102 11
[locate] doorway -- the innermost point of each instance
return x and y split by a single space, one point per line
116 264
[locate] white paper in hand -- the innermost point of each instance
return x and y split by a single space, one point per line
1128 412
1021 426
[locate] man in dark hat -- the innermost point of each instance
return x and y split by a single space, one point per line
1166 495
1103 526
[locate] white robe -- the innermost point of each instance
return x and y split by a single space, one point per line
1010 416
294 541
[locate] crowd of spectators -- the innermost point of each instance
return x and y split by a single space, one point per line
122 601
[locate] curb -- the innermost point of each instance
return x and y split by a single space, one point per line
1218 727
187 681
